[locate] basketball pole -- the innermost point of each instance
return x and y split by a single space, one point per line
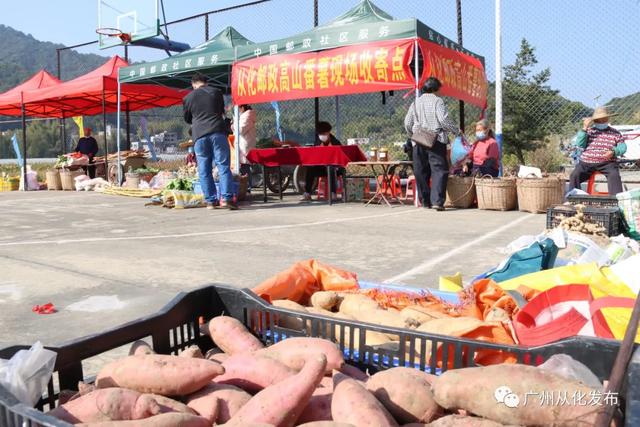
104 128
498 54
127 116
236 122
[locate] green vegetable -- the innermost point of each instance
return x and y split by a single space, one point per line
180 184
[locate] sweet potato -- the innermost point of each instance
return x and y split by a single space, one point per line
352 403
282 404
159 374
109 404
364 309
172 419
288 321
216 355
476 390
218 402
169 405
140 347
231 336
66 395
325 424
319 406
406 393
460 421
253 373
326 300
372 338
193 352
353 372
352 304
419 314
294 352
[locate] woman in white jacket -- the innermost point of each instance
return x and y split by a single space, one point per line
247 138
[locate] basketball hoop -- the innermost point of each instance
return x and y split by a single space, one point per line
114 32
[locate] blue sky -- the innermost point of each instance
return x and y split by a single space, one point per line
592 47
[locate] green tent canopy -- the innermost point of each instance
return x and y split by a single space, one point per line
365 23
213 57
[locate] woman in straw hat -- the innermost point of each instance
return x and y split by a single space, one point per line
601 144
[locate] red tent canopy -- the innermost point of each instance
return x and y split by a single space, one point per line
11 100
83 96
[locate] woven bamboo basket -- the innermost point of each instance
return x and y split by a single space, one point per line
67 179
461 192
53 180
536 195
498 194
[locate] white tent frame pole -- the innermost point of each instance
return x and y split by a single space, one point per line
117 134
498 54
236 122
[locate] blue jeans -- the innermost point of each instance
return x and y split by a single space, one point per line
210 149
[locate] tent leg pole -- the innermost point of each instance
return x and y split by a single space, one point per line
25 187
117 135
128 124
459 20
104 128
338 121
416 61
236 131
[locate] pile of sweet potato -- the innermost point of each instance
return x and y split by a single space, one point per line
300 382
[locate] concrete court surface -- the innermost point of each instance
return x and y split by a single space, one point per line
104 260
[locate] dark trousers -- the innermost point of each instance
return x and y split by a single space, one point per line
90 169
245 169
314 172
583 171
431 164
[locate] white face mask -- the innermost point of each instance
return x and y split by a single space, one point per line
323 138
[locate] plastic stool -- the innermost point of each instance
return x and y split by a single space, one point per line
591 186
323 183
396 186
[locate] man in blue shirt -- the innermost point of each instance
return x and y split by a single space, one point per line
88 146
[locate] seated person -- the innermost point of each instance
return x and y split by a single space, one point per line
601 144
88 146
485 153
325 137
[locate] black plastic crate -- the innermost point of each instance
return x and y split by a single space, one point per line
609 218
176 326
594 201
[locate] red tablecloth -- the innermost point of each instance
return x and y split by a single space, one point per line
333 155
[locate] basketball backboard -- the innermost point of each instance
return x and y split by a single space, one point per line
139 19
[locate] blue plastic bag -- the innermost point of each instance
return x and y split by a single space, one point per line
538 256
460 150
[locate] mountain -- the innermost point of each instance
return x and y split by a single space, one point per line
23 56
628 108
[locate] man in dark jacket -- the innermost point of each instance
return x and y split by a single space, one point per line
88 146
204 111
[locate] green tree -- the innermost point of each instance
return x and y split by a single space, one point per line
527 99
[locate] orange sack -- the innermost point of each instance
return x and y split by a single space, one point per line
302 279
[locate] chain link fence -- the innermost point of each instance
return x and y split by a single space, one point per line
552 104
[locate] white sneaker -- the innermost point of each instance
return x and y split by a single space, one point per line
306 197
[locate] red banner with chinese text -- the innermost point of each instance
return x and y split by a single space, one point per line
462 76
363 68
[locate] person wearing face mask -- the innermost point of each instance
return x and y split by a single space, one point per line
485 154
601 144
325 137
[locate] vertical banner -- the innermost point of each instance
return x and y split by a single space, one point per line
371 67
462 76
79 121
145 133
276 108
16 148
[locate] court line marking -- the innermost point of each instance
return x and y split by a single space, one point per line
205 233
427 265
